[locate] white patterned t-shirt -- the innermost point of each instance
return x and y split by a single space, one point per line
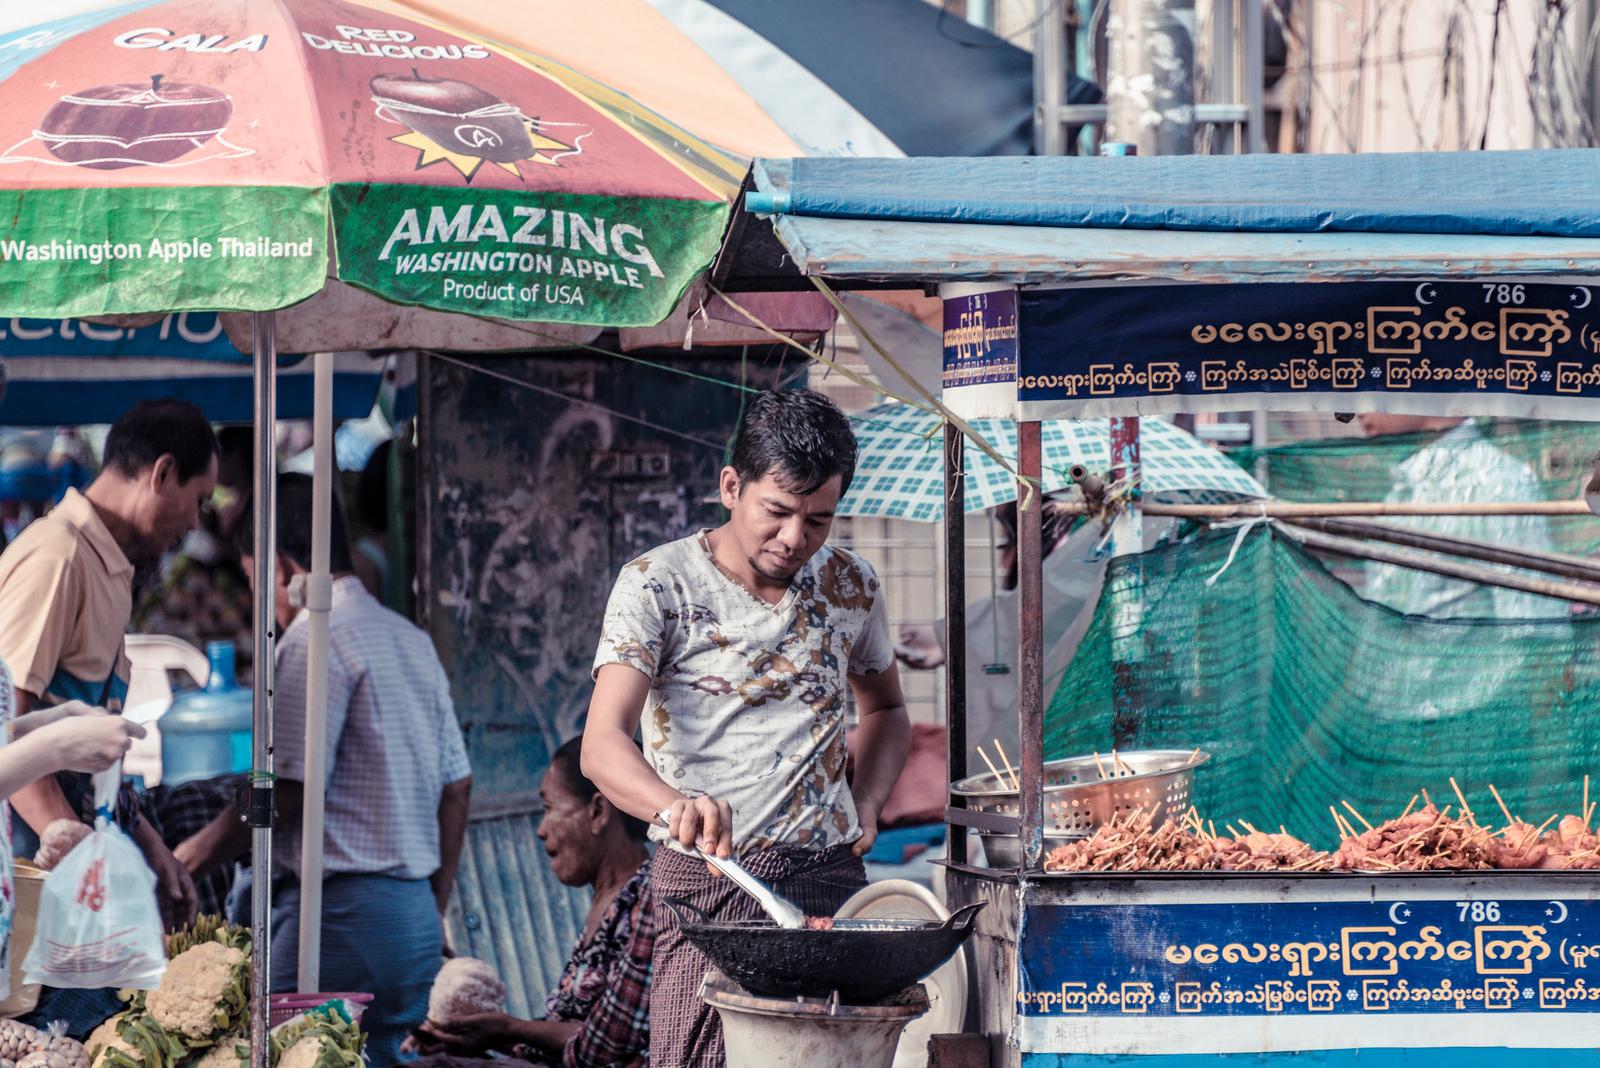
747 699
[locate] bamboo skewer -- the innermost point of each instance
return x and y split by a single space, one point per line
1000 750
992 769
1466 809
1339 824
1409 806
1426 800
1357 815
1101 768
1547 823
1510 819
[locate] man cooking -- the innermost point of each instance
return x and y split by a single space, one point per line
742 642
66 595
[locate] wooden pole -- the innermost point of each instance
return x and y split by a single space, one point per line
955 621
1030 654
1582 592
1286 509
1563 564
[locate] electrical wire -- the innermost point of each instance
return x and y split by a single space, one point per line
1454 94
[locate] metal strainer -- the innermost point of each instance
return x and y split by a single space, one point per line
1084 792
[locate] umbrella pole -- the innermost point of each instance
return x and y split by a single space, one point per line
318 602
1127 539
261 792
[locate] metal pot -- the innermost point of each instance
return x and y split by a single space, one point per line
863 960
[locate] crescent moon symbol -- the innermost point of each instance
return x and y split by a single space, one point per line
1397 921
1562 906
1588 297
1421 286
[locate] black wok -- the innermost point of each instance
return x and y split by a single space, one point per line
864 960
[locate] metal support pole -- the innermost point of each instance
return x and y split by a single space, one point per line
1223 74
1049 79
1253 75
1030 655
1127 539
260 814
318 600
955 625
1150 83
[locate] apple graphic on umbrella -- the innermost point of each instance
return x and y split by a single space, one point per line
130 124
455 115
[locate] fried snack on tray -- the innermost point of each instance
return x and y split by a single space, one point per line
1428 839
1570 845
1130 842
1260 851
1521 845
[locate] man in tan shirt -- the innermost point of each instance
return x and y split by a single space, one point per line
66 595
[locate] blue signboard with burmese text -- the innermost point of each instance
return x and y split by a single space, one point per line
1424 347
1279 974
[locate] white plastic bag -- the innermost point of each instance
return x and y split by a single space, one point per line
99 922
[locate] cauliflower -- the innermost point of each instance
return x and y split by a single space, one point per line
463 987
317 1041
107 1047
303 1054
318 1051
203 991
131 1040
226 1053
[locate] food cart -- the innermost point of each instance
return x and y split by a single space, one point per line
1442 284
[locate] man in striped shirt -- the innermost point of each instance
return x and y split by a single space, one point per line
398 786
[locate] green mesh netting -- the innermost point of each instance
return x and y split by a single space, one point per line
1306 695
1560 455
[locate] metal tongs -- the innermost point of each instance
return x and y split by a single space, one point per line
783 911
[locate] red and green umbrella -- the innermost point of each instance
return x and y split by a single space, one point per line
245 156
358 163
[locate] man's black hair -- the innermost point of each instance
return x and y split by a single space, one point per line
294 526
568 761
155 428
798 436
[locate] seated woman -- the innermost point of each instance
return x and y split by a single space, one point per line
598 1015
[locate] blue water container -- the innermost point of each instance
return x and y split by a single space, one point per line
205 734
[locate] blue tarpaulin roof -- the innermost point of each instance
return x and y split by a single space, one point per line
1063 220
1544 192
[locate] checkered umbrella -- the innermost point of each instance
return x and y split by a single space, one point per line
900 472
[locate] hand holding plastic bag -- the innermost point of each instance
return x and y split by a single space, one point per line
99 923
